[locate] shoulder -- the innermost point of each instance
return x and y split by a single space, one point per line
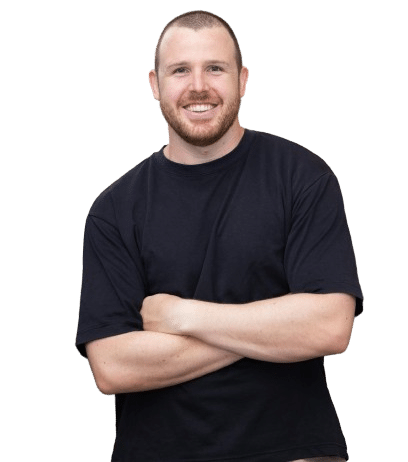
121 193
290 161
289 153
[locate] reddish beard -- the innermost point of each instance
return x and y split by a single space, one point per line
199 135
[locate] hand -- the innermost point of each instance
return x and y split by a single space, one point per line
163 313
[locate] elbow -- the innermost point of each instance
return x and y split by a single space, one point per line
104 386
104 369
112 376
103 383
340 347
101 373
340 326
338 343
113 383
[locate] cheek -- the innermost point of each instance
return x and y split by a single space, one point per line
226 89
173 93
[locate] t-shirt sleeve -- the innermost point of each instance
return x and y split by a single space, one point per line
319 255
112 285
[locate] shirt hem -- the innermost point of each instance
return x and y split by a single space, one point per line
282 455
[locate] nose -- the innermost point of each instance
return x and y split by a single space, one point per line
198 81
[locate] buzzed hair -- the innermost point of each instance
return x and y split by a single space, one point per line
197 20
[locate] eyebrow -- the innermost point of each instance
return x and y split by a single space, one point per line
207 63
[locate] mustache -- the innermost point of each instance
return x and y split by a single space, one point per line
203 97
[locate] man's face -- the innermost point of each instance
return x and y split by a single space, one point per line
199 87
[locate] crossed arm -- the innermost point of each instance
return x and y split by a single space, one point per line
184 339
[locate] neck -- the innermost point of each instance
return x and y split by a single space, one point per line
182 152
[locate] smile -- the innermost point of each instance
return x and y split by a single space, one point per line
199 107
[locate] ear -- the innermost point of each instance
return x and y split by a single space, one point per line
154 84
243 78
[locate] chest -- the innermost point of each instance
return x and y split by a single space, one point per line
220 235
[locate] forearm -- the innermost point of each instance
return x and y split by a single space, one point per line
291 328
140 361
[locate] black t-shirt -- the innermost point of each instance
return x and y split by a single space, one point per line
262 221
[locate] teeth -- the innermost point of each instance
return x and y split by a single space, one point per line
199 107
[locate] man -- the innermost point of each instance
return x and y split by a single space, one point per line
218 273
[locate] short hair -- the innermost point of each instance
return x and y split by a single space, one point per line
197 20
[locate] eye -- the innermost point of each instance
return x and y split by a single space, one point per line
216 68
180 70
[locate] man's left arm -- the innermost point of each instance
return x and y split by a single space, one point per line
290 328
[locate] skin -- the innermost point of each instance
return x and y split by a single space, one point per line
290 328
199 67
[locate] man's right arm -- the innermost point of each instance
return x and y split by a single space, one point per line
146 360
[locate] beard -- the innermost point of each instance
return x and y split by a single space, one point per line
201 133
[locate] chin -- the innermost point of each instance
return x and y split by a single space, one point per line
200 135
203 140
203 136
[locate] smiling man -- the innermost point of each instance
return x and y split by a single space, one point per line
200 90
217 275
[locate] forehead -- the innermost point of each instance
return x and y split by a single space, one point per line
184 44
